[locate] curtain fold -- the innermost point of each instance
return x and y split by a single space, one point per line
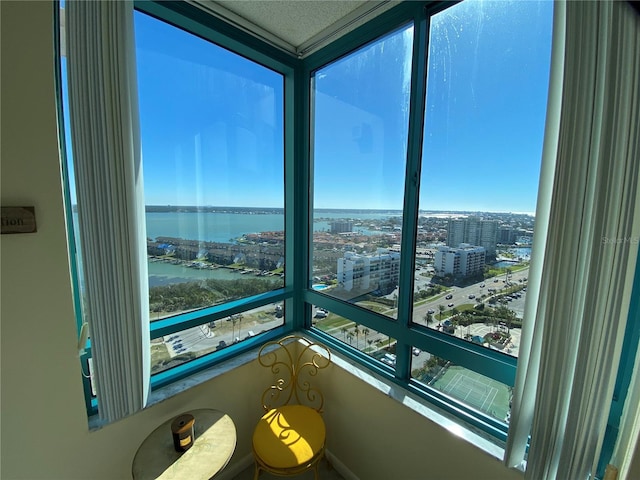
590 257
524 393
108 165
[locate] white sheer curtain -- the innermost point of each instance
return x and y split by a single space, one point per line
108 167
564 384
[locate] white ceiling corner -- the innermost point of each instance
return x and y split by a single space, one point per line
296 26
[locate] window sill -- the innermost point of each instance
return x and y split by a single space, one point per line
161 394
445 420
461 429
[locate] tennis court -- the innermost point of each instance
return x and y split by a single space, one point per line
475 390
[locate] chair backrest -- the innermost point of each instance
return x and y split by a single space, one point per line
294 360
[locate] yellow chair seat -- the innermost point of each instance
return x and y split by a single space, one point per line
289 436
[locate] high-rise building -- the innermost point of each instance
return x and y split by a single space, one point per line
464 261
341 226
506 235
369 273
456 231
474 231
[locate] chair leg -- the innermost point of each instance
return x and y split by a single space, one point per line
257 472
326 459
315 471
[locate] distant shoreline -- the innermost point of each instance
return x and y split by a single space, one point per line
279 210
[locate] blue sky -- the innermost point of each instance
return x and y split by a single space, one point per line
211 121
486 102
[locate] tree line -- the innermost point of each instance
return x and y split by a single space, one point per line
199 294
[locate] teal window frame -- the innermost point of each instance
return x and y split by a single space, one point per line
193 20
297 292
487 362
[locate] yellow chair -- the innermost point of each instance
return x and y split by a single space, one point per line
290 437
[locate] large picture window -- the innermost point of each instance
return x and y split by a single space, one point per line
359 156
213 148
487 85
487 76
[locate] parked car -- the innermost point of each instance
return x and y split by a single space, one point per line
449 297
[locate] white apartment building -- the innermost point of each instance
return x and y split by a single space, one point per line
369 273
464 261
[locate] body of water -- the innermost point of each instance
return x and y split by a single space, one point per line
222 227
211 227
504 264
227 227
162 273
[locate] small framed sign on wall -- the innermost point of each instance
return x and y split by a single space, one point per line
18 220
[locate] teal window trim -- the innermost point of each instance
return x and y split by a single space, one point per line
73 251
630 347
174 324
167 377
66 191
301 195
487 362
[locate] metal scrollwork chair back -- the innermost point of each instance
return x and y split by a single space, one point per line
290 437
295 361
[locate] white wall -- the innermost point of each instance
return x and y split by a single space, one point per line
44 424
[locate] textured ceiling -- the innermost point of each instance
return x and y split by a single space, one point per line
297 25
295 22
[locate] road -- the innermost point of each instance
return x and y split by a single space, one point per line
202 339
460 296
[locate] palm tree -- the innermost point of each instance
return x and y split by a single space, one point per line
428 318
240 317
350 337
356 332
233 326
442 309
344 333
365 332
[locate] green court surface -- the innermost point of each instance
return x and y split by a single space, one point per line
477 391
